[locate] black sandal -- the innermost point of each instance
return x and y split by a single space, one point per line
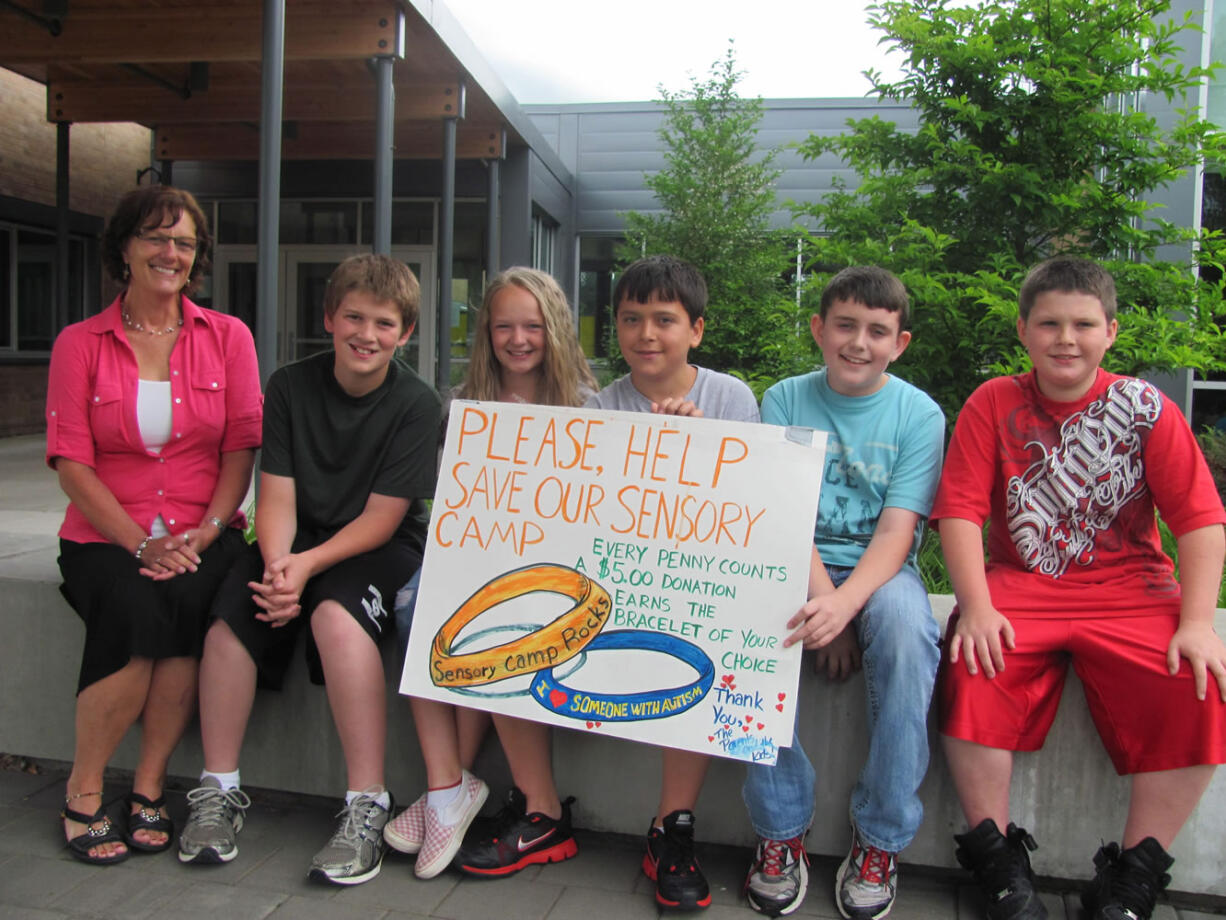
148 818
80 845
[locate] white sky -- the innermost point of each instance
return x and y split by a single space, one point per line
550 51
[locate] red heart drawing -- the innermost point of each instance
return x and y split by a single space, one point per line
780 707
598 724
759 726
782 696
557 699
710 737
744 728
727 680
589 724
749 718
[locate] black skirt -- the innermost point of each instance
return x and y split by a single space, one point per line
127 615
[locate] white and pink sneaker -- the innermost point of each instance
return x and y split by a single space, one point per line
405 832
445 832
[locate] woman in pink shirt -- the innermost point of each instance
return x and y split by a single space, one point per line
153 418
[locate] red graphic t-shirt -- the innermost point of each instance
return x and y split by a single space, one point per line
1071 490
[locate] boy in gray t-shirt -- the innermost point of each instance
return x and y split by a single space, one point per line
713 394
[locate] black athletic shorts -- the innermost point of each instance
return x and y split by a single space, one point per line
365 585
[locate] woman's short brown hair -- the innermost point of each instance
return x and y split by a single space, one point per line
145 208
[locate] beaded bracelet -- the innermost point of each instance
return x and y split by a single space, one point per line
140 549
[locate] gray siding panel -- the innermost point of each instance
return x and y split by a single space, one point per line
610 148
548 193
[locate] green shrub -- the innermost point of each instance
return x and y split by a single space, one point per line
931 564
1213 445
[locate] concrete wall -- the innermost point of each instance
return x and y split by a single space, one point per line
1066 794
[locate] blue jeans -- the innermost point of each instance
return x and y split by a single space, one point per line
898 638
406 604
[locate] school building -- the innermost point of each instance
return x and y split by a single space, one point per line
315 130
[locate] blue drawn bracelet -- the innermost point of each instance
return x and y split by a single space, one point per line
629 707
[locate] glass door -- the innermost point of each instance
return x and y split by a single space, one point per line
232 286
419 353
305 273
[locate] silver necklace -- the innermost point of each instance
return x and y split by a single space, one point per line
139 327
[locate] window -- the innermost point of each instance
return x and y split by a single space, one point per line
544 241
412 223
6 288
1209 390
237 222
467 280
327 222
28 280
596 281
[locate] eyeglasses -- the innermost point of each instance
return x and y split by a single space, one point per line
184 244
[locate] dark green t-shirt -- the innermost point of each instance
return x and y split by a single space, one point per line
339 449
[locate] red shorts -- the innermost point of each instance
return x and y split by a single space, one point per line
1147 719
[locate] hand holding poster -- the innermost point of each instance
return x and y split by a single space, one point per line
618 572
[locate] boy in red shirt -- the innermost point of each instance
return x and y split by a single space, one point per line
1069 462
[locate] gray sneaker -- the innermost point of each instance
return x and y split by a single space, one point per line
778 877
355 852
216 817
867 882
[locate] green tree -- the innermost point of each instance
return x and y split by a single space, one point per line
1030 143
716 194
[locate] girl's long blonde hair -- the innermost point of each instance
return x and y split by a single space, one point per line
566 379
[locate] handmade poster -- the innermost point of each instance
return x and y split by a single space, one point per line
622 573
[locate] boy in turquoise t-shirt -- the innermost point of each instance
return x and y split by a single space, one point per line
865 596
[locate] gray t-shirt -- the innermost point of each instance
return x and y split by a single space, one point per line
717 395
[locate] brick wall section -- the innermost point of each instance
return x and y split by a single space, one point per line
103 162
103 158
24 389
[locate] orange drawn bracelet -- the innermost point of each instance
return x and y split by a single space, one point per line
552 644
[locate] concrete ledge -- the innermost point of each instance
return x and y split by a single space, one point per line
1067 794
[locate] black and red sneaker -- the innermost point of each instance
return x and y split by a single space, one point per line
671 864
517 841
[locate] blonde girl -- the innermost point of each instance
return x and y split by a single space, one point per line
524 350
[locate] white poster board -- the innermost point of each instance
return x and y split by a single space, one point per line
617 572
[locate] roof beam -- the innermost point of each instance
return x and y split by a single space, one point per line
324 141
149 104
228 30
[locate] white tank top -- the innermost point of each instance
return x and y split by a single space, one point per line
154 417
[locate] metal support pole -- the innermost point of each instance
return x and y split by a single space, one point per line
269 249
493 217
61 314
446 240
385 144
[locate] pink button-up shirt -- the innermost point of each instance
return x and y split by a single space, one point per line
216 407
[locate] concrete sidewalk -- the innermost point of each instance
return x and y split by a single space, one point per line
40 880
31 504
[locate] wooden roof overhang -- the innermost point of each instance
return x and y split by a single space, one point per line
191 71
